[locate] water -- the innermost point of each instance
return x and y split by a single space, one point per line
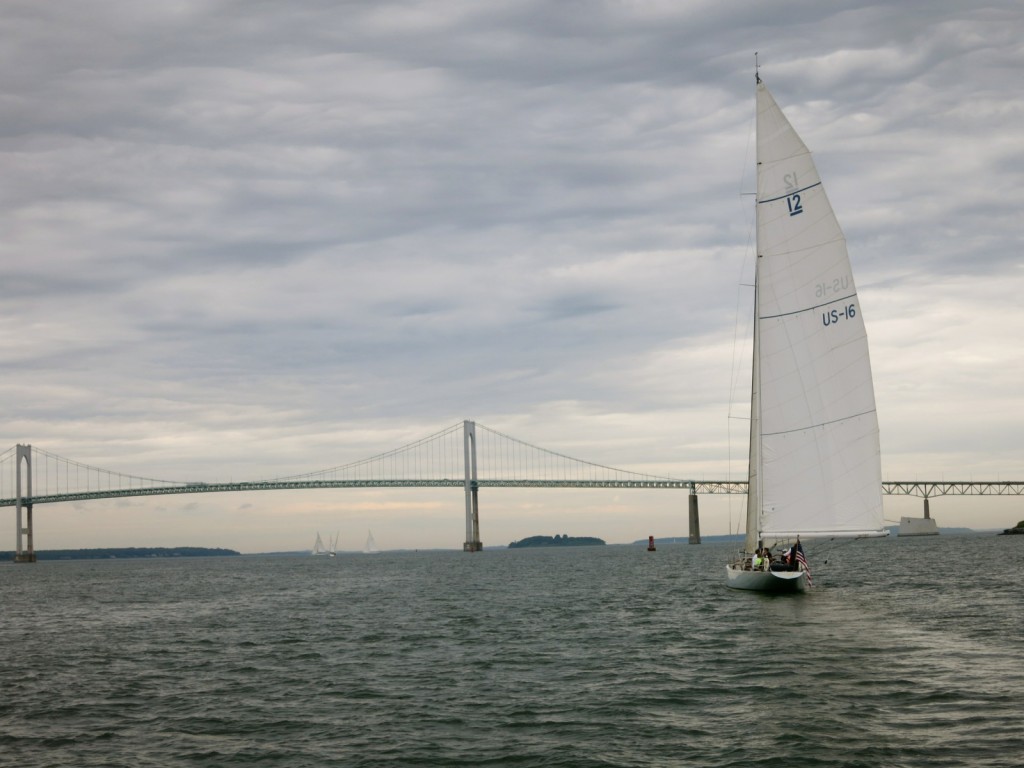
574 657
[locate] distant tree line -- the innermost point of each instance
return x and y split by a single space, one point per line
108 553
557 541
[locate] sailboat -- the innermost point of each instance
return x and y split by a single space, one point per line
320 549
815 462
371 545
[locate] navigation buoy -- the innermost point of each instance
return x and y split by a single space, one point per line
650 544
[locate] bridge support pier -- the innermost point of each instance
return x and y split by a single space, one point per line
472 542
24 554
694 517
927 514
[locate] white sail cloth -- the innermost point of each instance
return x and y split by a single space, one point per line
819 470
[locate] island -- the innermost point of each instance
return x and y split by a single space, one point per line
1017 530
557 541
114 553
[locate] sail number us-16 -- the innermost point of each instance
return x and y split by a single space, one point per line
838 285
832 317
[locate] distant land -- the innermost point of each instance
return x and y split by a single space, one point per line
686 539
557 541
126 553
893 530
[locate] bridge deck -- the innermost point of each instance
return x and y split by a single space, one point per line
920 488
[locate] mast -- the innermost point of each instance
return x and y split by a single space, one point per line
754 458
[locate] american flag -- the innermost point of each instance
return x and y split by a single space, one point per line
800 558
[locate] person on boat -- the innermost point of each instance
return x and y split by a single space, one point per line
790 559
762 559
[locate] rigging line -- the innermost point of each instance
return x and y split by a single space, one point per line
745 212
748 251
746 151
736 325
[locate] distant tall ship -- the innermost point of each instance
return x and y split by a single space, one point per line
320 549
371 545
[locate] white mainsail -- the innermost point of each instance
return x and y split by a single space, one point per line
318 546
320 549
815 461
371 544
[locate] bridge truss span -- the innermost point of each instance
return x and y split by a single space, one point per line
931 489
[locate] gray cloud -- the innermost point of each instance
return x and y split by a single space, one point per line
250 240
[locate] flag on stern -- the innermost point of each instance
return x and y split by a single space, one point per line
802 559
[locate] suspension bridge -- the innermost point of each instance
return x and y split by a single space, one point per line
466 455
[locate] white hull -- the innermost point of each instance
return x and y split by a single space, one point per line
766 581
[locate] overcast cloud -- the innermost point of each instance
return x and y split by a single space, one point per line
252 239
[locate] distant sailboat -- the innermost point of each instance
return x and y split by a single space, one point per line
815 462
371 545
320 549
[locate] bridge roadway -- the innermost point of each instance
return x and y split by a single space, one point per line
919 488
703 486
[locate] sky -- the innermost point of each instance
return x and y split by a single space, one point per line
251 239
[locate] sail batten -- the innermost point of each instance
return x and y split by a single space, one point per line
820 424
811 308
794 192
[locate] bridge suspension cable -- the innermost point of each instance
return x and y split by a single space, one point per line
506 458
54 475
436 457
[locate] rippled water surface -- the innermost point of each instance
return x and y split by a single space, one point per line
907 653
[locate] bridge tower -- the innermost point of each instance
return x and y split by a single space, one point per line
26 554
472 543
694 516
